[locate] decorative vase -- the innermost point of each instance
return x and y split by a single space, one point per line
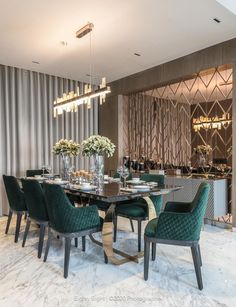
99 171
202 160
65 167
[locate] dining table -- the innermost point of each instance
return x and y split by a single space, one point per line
114 193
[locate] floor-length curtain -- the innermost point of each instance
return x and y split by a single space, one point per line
28 129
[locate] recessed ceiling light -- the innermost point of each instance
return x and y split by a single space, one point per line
35 62
63 43
217 20
229 5
137 54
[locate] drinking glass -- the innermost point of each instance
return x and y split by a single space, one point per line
124 173
49 169
70 171
44 167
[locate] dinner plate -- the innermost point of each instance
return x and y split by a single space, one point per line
142 188
88 188
134 182
61 182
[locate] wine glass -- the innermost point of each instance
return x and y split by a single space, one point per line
44 167
48 169
70 171
124 173
120 170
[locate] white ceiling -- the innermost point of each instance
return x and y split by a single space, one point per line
160 30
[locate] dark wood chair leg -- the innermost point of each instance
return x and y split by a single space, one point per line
41 239
153 251
67 256
8 221
105 258
18 223
115 227
76 242
131 224
146 258
27 227
83 243
199 252
48 244
26 214
196 261
139 235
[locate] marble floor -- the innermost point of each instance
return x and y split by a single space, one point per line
26 281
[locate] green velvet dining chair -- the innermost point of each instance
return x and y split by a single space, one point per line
67 221
16 201
179 224
137 209
34 172
37 210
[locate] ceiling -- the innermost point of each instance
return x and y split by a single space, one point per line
32 30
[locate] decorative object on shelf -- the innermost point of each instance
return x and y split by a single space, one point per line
98 146
66 149
70 102
211 122
203 151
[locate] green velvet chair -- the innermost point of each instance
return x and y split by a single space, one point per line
16 201
179 224
137 209
67 221
33 172
37 211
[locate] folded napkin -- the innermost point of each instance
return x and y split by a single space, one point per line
128 190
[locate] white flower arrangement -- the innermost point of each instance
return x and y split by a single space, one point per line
203 149
66 148
97 145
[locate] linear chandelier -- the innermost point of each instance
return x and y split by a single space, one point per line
211 122
70 102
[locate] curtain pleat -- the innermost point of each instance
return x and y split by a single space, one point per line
28 129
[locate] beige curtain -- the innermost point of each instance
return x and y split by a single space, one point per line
28 129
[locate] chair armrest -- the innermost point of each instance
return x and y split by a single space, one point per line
175 206
178 226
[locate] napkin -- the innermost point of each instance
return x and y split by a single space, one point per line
128 190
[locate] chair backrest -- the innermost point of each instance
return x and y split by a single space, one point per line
35 199
33 172
15 195
153 177
198 208
58 206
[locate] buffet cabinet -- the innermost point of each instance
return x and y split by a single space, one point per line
218 198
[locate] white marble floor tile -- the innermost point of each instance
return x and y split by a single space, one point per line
26 281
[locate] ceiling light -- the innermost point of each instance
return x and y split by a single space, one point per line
137 54
229 5
217 20
70 102
35 62
64 43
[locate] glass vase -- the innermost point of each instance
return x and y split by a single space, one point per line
65 165
99 171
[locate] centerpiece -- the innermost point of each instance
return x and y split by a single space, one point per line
66 149
203 151
98 146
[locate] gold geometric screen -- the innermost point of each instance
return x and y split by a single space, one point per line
158 123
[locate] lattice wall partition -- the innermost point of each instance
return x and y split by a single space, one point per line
158 123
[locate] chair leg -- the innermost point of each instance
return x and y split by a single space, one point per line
8 221
199 252
139 235
196 261
131 224
18 222
83 243
146 258
153 251
67 256
26 214
105 258
76 242
27 227
41 239
48 244
115 227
